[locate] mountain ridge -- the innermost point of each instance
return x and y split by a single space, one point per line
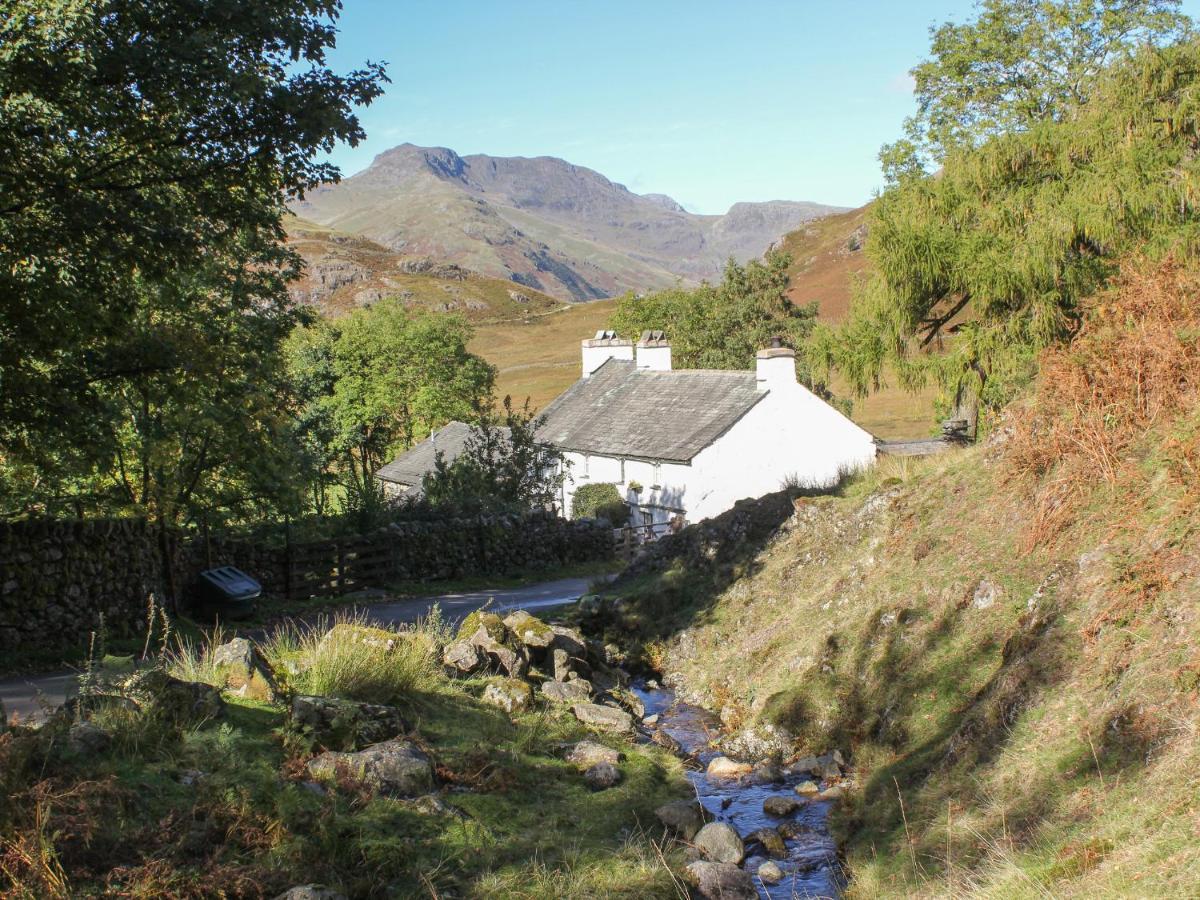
543 222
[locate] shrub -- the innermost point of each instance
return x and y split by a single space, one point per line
600 501
1132 369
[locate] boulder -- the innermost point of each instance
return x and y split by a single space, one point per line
337 724
807 788
630 701
665 741
179 702
311 892
805 765
719 842
794 829
598 715
396 767
771 841
831 793
602 776
724 767
87 739
491 623
686 817
510 694
828 771
510 661
463 657
770 873
570 641
766 772
560 664
781 806
244 672
720 881
567 691
530 631
587 754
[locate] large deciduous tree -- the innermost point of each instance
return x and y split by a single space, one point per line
147 150
378 380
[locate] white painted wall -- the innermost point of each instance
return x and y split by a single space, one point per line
664 487
789 434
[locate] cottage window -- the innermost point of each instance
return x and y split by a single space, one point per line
587 464
621 480
657 476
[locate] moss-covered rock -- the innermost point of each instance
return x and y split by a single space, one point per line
244 672
489 622
334 724
510 694
530 631
397 767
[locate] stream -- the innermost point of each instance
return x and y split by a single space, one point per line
812 868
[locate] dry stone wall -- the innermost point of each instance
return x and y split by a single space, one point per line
58 577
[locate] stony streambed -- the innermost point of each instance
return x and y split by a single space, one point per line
810 867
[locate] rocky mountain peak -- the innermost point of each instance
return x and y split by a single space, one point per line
543 221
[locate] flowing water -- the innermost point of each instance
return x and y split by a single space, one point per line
812 868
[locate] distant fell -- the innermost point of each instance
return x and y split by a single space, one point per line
543 222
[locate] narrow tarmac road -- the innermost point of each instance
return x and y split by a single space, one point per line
31 697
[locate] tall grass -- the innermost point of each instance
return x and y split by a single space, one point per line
339 659
190 660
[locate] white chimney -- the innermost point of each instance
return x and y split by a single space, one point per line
654 352
603 347
775 366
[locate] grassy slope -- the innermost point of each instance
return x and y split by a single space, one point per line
1011 657
479 298
539 358
1045 745
823 267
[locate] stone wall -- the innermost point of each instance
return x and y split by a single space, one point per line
416 551
57 577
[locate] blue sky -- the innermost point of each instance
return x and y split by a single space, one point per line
710 102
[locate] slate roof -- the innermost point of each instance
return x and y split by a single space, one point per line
411 466
671 416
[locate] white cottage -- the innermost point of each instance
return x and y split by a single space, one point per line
692 442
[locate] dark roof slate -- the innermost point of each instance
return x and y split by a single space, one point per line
623 411
411 466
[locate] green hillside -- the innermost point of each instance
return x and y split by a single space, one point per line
343 271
